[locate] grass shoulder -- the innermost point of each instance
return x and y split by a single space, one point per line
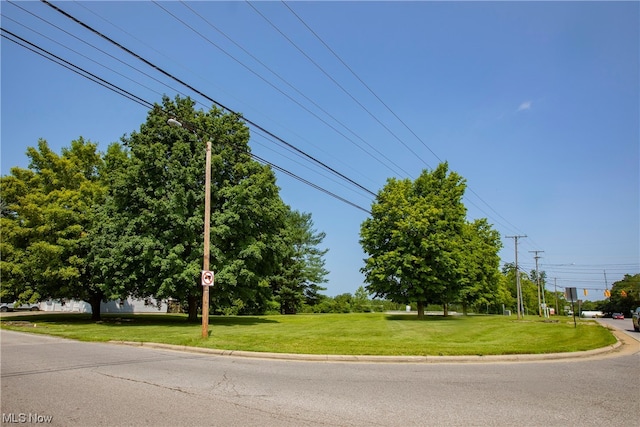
340 334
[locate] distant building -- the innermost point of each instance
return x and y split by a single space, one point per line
129 305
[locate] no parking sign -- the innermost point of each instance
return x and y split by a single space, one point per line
207 278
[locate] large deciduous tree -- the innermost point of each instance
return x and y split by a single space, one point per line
421 248
414 239
157 199
48 216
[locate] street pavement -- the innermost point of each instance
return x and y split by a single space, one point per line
101 384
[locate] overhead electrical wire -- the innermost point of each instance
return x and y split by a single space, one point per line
249 69
337 84
14 38
184 23
200 93
299 152
256 141
78 70
309 183
9 35
307 98
282 79
181 65
326 45
92 46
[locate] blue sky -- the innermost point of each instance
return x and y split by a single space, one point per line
535 104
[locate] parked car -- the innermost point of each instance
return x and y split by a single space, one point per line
617 316
635 316
4 307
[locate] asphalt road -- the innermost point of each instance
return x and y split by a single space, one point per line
96 384
623 325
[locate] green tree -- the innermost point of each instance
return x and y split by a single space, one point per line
527 287
49 212
157 196
342 303
480 280
302 270
625 294
413 239
360 301
504 299
539 278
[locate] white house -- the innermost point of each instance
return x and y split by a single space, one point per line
130 305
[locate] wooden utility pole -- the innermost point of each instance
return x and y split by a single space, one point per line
518 290
538 282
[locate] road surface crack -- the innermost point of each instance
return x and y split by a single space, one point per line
178 389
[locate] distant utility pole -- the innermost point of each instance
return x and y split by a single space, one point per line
555 292
538 282
518 290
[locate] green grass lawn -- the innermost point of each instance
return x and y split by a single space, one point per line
346 334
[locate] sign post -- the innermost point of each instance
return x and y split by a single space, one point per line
571 294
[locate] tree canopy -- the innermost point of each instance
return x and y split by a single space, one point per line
157 198
421 248
302 270
48 215
625 295
92 226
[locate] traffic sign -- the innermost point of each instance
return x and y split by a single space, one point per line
207 278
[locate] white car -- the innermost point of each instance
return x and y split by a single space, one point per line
4 307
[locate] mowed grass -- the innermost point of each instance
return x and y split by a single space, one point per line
344 334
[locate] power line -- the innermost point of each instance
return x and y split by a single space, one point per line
385 164
78 70
102 82
306 166
90 45
309 183
339 85
190 87
326 45
181 65
359 79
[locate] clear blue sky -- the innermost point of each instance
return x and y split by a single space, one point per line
536 104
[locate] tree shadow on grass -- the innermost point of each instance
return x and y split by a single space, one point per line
427 318
239 320
53 318
130 319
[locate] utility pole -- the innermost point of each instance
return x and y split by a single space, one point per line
518 290
555 292
538 282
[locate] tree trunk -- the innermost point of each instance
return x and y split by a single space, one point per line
193 308
465 309
95 299
420 309
445 309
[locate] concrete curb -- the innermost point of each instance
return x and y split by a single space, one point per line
382 359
